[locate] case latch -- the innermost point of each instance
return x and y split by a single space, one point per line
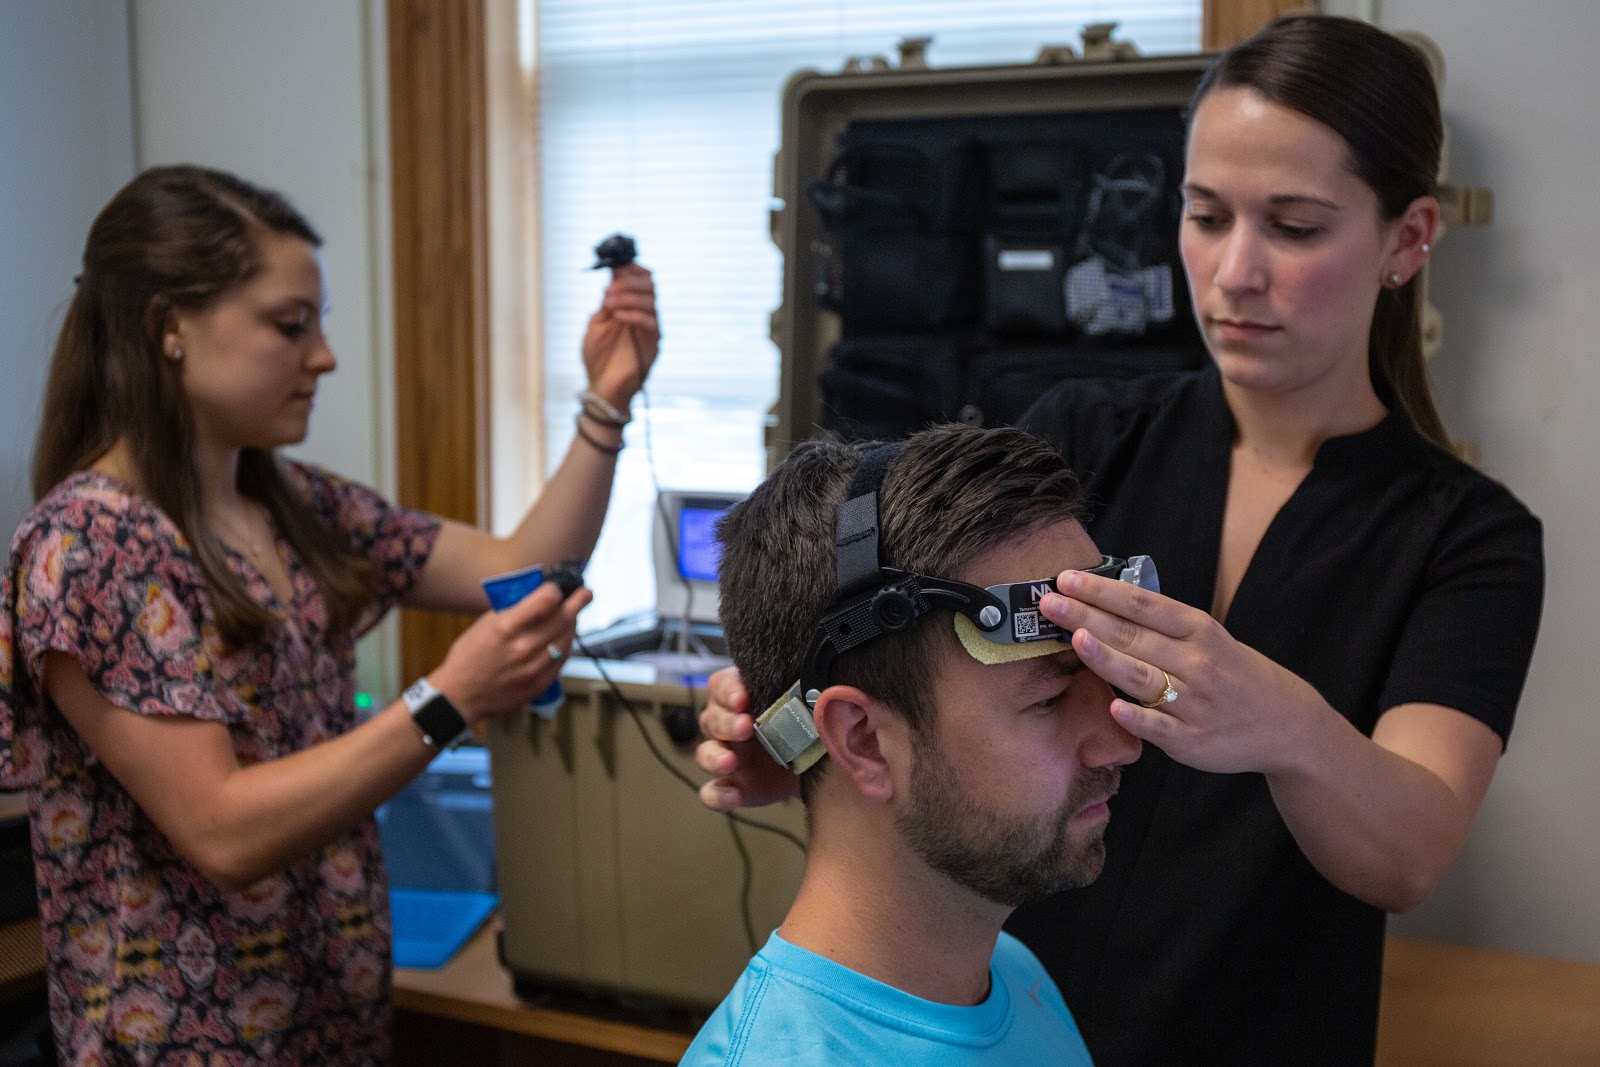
1098 45
914 52
1052 54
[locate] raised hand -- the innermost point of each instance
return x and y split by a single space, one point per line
623 337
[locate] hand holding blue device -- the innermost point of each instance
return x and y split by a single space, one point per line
505 590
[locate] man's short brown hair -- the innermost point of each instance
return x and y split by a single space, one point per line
950 494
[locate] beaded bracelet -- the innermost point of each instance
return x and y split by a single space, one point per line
610 424
600 410
599 446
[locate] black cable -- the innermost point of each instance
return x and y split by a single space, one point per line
672 553
735 820
748 884
688 589
661 758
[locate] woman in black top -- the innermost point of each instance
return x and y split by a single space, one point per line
1349 610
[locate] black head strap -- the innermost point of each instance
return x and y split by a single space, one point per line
871 599
856 537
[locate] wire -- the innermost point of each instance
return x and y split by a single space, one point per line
746 885
638 721
688 588
734 819
672 554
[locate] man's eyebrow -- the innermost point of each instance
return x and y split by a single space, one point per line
1057 665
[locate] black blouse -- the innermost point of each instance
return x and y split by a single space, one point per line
1394 574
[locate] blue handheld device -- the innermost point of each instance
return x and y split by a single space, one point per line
507 589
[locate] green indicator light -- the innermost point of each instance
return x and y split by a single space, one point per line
363 701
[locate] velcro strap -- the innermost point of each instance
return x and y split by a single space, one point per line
789 733
856 536
857 543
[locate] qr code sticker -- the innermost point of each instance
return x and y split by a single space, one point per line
1025 624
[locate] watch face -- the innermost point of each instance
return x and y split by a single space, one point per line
439 721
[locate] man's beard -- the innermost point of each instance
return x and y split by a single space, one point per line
1008 859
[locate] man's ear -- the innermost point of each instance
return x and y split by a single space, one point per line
863 738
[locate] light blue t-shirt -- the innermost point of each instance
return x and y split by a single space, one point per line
794 1007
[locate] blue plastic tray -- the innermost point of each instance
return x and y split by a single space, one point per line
430 925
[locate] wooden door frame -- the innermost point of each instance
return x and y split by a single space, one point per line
438 161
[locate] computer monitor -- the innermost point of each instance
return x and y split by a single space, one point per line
698 549
685 550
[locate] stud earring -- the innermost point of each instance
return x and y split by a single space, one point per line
1394 279
1426 248
177 354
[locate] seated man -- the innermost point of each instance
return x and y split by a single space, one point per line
964 766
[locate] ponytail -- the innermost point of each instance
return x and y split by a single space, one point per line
1394 357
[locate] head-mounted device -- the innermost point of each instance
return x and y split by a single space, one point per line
873 600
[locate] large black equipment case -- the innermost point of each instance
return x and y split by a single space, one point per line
956 241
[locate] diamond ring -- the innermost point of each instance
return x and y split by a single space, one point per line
1168 695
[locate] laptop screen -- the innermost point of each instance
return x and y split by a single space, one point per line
698 550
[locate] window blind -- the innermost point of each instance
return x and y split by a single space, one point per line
660 118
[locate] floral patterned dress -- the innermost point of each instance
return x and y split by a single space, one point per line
149 962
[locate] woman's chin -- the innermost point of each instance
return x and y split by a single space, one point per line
1248 368
283 438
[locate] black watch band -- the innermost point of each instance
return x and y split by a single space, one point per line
434 715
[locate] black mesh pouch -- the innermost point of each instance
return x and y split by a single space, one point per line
883 388
900 246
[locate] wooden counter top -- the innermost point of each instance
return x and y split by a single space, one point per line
1451 1006
13 806
474 988
21 958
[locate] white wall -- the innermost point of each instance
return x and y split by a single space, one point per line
65 147
292 95
1520 375
277 93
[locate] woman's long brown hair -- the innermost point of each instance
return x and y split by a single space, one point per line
178 239
1377 93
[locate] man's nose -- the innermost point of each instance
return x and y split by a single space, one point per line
1107 744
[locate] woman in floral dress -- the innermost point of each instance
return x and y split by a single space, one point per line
177 649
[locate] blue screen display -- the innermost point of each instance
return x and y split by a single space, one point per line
698 550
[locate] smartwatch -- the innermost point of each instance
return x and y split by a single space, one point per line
433 713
